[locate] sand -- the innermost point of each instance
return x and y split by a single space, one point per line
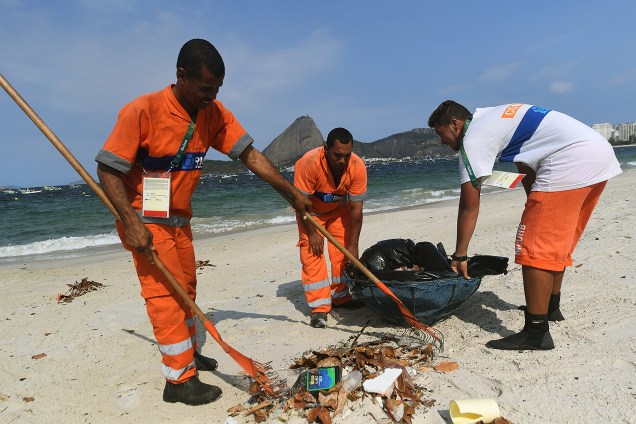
102 364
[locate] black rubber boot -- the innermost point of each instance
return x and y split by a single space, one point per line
352 304
203 363
318 320
534 336
192 392
554 309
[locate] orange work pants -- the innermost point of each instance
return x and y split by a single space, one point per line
319 291
552 224
172 320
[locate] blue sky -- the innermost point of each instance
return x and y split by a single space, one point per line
376 68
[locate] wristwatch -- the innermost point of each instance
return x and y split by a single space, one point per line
459 258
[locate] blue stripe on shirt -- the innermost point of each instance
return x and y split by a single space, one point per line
528 125
190 161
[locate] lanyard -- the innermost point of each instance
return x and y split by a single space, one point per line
186 139
469 168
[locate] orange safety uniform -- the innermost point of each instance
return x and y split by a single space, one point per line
146 138
330 207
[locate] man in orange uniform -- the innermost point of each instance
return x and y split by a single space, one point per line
149 167
336 181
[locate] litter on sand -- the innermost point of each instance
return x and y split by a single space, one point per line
78 289
388 364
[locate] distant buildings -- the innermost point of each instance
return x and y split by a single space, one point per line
617 134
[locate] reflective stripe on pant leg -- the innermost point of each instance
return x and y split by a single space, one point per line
167 312
314 275
338 229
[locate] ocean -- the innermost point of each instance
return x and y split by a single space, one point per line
70 221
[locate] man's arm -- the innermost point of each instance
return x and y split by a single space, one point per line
466 222
137 235
265 169
528 180
355 227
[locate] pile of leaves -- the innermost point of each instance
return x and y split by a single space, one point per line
370 359
78 289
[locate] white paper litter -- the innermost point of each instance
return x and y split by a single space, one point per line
382 383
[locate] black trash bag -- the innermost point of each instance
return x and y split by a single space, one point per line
388 255
480 265
430 257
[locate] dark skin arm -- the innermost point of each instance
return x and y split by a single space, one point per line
355 227
466 222
316 240
137 235
265 170
530 177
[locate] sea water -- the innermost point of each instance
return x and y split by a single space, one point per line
63 221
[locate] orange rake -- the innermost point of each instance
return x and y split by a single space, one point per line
408 316
251 367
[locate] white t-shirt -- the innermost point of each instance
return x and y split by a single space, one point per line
565 153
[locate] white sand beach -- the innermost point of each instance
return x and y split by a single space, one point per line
102 364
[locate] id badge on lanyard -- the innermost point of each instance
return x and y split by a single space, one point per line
156 195
156 185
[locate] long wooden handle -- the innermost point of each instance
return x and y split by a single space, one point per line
93 185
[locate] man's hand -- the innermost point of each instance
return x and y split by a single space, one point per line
138 237
316 243
302 203
460 268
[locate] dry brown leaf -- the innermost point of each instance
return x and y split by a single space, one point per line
28 399
446 366
329 361
236 409
501 420
260 416
342 401
39 356
321 413
254 388
328 401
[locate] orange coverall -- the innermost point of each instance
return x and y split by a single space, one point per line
146 137
330 207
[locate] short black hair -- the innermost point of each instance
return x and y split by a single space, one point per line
340 134
198 52
447 111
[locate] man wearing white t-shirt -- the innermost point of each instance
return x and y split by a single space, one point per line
567 165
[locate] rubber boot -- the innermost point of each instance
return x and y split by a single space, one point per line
534 336
554 309
203 363
192 392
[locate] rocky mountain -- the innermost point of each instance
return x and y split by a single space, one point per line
303 135
300 137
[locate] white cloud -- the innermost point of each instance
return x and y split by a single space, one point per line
561 87
500 72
